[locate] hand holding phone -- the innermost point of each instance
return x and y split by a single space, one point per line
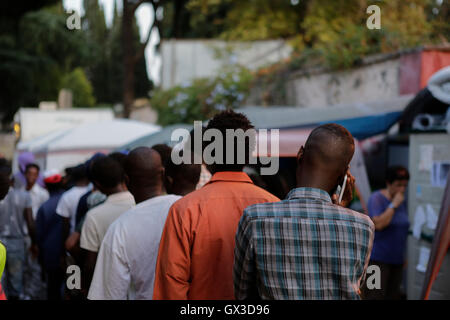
341 194
344 193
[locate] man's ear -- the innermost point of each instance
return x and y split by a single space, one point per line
300 154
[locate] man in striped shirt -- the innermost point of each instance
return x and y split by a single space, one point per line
307 246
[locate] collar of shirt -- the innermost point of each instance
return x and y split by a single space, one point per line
120 197
153 200
36 189
309 193
231 176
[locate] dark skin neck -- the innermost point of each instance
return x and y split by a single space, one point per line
142 194
29 186
183 189
82 183
316 179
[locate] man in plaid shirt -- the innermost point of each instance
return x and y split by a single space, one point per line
307 246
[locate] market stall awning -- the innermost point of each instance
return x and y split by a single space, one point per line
363 120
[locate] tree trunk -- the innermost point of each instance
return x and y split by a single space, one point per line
128 59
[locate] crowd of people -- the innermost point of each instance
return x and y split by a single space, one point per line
140 226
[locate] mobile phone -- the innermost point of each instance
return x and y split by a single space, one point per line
342 189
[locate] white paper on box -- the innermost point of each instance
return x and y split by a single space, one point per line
426 157
424 255
419 219
432 217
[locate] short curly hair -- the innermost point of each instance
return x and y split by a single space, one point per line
396 173
222 121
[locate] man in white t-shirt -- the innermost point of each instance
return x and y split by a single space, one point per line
126 262
67 205
38 194
109 177
34 287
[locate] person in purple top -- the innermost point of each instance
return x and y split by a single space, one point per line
389 213
25 158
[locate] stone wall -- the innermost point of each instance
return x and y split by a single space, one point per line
185 60
320 88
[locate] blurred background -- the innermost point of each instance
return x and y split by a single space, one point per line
86 76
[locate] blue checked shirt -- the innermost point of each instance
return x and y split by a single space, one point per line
303 247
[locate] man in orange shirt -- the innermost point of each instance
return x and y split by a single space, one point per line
195 259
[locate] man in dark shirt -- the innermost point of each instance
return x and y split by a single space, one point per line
48 235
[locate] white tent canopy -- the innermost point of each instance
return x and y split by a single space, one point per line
68 147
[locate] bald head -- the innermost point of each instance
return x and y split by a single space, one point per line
330 145
145 173
326 155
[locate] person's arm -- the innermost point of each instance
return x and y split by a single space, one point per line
362 279
40 232
88 270
383 220
90 244
174 260
2 259
28 215
111 279
244 263
63 211
348 192
40 227
65 230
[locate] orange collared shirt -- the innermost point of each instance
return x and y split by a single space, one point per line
196 253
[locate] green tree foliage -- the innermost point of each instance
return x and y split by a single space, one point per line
17 65
334 32
202 98
54 51
81 88
105 69
336 29
192 19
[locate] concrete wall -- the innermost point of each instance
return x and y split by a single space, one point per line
421 192
184 60
321 88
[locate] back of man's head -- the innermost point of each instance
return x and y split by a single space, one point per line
327 153
119 157
232 120
78 174
164 152
144 170
180 179
107 173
